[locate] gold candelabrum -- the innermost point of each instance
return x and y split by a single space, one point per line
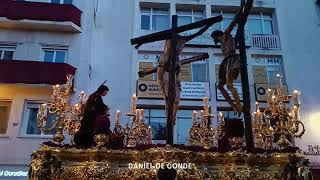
203 134
277 120
136 132
68 115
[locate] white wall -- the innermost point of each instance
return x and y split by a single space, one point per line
16 149
300 37
111 52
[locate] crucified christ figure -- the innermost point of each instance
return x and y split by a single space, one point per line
163 68
230 66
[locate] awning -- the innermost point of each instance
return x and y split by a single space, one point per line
34 72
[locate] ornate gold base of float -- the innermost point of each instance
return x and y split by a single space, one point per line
71 163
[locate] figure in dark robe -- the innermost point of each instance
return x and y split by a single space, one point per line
95 119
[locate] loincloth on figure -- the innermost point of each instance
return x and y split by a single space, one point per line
163 80
229 66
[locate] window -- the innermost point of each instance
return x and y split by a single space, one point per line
195 72
259 23
200 72
157 119
229 115
183 124
5 107
187 16
227 18
6 53
266 68
54 55
234 125
154 18
29 126
61 1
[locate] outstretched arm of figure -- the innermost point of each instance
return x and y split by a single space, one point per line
200 32
236 19
245 7
143 73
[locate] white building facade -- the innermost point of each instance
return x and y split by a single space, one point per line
278 39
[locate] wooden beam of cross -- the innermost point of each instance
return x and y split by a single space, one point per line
182 62
244 72
167 34
172 34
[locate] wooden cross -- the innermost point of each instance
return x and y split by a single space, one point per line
240 37
173 35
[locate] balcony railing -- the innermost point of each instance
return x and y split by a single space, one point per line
32 12
265 41
34 72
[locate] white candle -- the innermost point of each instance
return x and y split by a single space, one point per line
206 101
118 116
257 107
296 95
134 97
273 99
221 118
279 83
195 114
141 114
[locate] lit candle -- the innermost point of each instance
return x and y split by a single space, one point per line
138 115
296 95
254 114
221 118
273 99
81 94
118 113
206 100
194 117
257 107
43 108
133 103
279 83
269 95
134 97
141 115
195 113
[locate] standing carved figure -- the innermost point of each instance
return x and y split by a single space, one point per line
230 66
164 68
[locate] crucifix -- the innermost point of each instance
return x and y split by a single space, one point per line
174 44
247 5
233 64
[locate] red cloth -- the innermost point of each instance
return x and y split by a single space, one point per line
18 10
34 72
